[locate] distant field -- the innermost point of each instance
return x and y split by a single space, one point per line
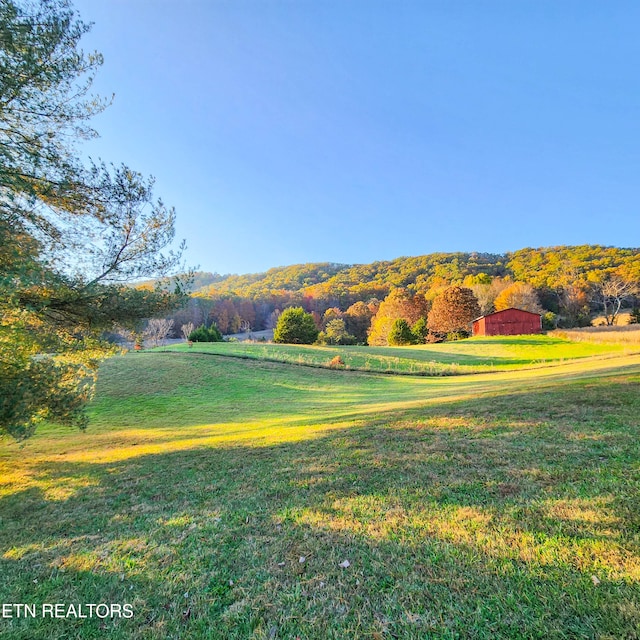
628 335
475 355
243 499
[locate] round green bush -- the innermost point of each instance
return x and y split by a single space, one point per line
295 326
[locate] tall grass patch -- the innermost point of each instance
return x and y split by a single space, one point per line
613 335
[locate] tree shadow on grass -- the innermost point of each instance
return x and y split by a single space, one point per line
507 517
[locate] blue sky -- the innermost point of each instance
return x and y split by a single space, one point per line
360 130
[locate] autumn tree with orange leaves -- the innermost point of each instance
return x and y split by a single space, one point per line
453 311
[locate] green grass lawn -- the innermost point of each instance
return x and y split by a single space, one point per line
221 496
474 355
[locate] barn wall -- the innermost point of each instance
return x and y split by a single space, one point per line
479 327
510 322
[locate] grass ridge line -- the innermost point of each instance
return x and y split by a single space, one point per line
389 372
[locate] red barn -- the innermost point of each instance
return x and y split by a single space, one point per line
510 322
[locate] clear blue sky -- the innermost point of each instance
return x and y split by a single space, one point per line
358 130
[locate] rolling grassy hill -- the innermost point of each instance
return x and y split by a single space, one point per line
230 498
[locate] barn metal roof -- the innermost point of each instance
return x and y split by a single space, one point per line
495 313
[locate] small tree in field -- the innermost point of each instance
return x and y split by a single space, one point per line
157 330
187 330
295 326
453 311
401 333
420 330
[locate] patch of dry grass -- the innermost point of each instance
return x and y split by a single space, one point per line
624 334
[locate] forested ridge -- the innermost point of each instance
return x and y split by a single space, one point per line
541 267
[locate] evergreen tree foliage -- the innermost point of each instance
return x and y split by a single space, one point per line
295 326
420 330
70 236
400 333
206 334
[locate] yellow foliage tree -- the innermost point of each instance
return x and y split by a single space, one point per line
519 295
399 304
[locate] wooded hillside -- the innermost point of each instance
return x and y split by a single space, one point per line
564 281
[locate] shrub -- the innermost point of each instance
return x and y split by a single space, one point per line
204 334
295 326
634 316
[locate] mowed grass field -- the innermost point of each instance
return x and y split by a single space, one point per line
475 355
229 498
